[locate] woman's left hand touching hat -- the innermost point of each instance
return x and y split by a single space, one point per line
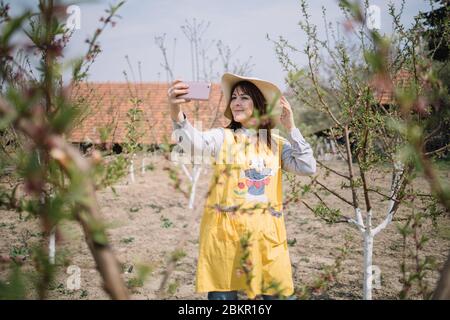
287 116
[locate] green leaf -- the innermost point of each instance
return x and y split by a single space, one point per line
99 237
14 288
64 116
7 120
178 255
327 214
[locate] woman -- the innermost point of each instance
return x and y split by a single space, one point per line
243 244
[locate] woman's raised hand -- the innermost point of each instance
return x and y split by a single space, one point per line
287 116
178 88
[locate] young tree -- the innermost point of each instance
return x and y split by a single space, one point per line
353 72
39 109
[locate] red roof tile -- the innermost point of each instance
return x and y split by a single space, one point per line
401 80
110 102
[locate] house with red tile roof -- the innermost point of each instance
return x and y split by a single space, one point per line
108 104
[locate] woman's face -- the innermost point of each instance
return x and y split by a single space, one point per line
241 107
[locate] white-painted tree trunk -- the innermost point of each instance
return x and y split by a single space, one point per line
132 169
369 233
52 246
333 147
368 236
143 165
52 236
368 279
193 177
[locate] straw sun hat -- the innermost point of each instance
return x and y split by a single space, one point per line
268 89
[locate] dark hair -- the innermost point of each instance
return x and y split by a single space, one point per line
259 103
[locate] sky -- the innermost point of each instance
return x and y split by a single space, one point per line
241 25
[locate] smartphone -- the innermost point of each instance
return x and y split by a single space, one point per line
197 91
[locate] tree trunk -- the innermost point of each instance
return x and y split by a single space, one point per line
52 246
368 252
442 291
194 178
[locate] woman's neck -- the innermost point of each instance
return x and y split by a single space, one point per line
247 125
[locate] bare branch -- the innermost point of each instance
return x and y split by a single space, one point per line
334 193
332 170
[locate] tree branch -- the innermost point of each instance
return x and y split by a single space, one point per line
334 193
332 170
89 215
350 167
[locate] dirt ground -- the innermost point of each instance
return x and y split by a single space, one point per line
148 218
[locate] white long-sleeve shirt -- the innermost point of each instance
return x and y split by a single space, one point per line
296 156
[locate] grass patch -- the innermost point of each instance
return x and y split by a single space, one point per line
135 209
291 242
173 286
155 207
166 223
177 255
444 231
19 251
143 272
127 240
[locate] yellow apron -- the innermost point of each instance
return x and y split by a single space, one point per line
245 197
